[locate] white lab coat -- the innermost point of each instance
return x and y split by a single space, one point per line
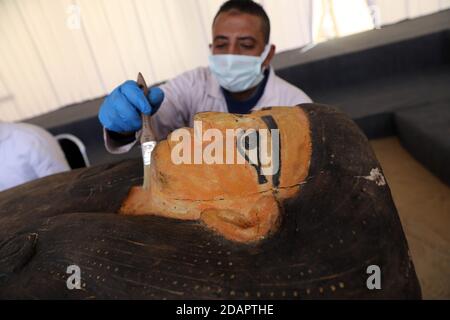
198 91
27 152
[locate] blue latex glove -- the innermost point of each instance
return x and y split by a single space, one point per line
121 110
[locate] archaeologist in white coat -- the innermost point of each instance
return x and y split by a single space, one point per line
27 152
239 79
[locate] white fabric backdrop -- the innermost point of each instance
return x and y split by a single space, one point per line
58 52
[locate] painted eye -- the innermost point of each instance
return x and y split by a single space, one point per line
247 146
247 141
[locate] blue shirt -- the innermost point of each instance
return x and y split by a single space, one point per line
243 107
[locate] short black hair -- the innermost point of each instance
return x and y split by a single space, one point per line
250 7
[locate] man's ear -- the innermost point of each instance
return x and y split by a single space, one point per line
270 56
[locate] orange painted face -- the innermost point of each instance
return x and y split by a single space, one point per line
235 178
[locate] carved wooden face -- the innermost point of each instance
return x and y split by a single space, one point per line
236 184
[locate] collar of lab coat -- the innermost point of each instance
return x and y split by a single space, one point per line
213 88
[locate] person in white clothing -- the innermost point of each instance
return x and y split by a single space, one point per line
27 152
239 79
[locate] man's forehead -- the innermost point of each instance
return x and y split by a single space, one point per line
236 22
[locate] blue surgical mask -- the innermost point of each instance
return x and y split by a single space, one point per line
238 73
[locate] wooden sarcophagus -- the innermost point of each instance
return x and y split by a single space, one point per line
309 230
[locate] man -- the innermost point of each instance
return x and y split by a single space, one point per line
239 79
27 152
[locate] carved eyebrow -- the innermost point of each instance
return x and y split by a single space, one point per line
271 125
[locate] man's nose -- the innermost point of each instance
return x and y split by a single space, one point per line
234 48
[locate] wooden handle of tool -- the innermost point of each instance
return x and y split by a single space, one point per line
147 132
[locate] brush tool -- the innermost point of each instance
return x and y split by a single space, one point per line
148 140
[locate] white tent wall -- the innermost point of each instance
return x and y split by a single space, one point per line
48 59
57 52
392 11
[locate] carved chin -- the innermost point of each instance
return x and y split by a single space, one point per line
231 199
